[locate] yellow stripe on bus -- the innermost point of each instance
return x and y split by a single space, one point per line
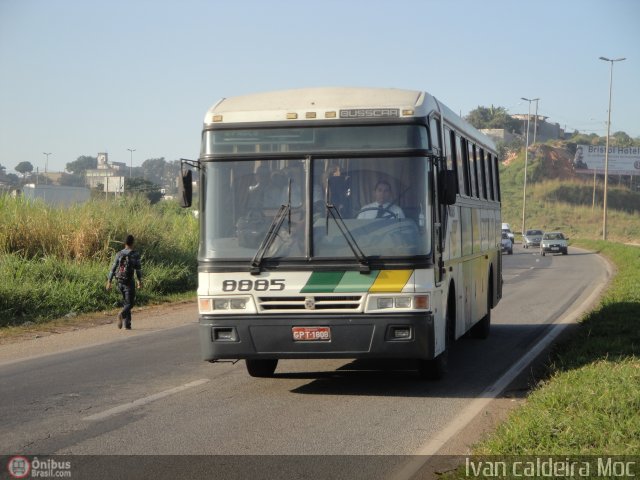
391 281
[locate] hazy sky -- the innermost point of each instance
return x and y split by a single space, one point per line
78 77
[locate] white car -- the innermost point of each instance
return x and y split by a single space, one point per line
507 229
554 242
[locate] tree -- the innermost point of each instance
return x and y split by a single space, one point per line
81 165
493 117
621 139
134 186
153 170
24 168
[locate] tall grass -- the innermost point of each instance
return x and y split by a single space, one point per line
54 261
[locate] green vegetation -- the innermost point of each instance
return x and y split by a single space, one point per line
557 199
54 261
589 404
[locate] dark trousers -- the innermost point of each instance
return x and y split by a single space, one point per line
128 299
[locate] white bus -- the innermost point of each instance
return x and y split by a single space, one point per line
344 223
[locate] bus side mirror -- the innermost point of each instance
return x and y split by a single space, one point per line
450 187
186 189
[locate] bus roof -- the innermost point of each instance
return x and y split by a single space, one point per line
331 103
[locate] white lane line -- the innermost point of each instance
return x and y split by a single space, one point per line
476 406
143 401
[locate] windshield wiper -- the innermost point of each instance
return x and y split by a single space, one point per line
267 241
283 212
346 233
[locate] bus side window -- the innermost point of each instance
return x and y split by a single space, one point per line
461 160
472 170
482 176
490 176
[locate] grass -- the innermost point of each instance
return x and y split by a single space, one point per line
54 261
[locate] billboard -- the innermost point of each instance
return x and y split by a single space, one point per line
114 184
622 160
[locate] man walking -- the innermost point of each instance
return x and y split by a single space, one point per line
128 272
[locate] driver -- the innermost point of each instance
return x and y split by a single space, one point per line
383 207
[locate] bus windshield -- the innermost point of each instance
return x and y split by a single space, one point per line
383 202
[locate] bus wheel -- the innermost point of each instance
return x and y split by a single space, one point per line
261 368
483 327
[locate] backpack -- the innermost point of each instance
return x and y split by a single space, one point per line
124 270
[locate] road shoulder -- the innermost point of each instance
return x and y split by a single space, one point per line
90 330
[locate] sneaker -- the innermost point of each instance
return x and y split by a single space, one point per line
128 327
119 320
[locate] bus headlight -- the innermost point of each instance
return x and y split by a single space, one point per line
384 302
225 305
404 302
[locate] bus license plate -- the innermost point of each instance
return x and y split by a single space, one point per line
311 334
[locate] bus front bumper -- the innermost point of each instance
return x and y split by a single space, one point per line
400 335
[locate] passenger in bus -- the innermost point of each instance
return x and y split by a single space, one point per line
382 207
271 190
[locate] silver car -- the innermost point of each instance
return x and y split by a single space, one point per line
554 242
506 244
532 238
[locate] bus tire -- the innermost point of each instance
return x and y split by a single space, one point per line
436 368
262 368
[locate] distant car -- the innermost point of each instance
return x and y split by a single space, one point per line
506 228
509 234
506 245
554 242
532 238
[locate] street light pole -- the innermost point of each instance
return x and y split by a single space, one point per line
535 122
46 165
131 150
526 161
606 153
46 162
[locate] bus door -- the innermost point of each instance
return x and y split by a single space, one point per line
439 214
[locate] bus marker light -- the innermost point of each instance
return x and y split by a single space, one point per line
204 305
421 301
292 116
217 118
310 115
330 114
407 112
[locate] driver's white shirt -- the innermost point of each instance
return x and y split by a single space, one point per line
373 212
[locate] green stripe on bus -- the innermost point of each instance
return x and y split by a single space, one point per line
322 282
356 281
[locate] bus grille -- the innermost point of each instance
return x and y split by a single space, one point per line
320 303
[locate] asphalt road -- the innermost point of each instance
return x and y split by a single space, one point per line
150 393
